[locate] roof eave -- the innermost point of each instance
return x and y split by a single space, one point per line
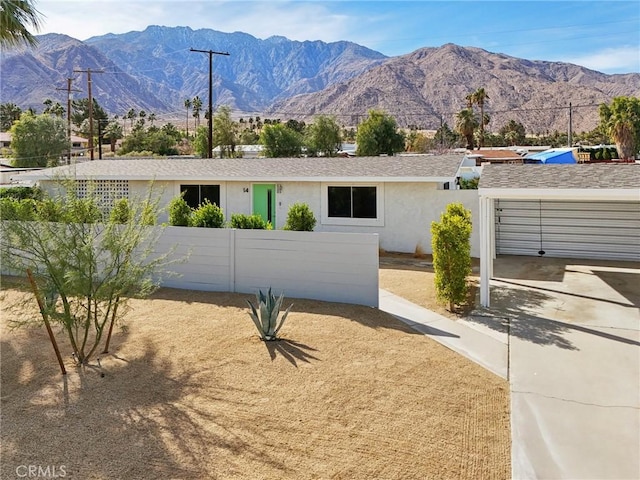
586 194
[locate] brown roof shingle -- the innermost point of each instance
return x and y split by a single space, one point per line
562 177
418 168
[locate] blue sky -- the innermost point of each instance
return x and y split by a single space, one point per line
603 36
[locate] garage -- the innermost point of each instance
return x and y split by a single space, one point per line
571 229
589 211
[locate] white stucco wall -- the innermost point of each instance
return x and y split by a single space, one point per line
407 209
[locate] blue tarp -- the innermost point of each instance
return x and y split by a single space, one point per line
551 156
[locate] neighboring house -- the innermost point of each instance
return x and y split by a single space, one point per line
582 211
79 145
5 140
483 157
396 197
553 156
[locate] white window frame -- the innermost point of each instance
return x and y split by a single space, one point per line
325 219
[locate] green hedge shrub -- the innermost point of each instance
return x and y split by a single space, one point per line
207 215
300 218
243 221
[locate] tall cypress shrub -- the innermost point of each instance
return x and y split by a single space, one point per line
451 245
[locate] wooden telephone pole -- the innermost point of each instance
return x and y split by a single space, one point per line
69 90
88 71
210 137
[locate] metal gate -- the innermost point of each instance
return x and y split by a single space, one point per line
597 230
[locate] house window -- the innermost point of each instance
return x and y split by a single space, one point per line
195 195
352 202
353 205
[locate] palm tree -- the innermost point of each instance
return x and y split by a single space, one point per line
131 114
113 132
152 118
16 16
9 113
466 123
621 120
479 97
53 108
197 108
470 101
187 105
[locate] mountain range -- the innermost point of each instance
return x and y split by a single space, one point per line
155 70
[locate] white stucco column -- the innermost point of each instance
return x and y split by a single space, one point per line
486 250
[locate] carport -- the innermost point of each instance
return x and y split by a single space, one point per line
578 210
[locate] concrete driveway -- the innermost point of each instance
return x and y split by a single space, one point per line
573 330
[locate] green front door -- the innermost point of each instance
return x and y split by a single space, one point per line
264 202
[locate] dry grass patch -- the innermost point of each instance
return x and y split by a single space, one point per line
191 392
411 277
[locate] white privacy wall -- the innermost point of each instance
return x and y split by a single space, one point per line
333 267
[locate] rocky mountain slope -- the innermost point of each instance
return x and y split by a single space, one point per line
155 70
431 84
31 76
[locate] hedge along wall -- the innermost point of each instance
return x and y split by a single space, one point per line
334 267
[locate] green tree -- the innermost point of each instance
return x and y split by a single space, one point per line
378 134
417 142
80 113
445 138
153 140
38 140
131 116
298 126
201 141
16 17
171 130
187 105
197 108
621 120
113 132
85 269
466 123
9 113
280 141
513 133
323 136
225 132
480 97
53 108
451 246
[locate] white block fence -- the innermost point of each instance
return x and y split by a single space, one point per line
334 267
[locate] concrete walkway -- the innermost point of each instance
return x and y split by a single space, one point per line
482 345
575 387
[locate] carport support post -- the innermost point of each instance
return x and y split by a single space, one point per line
486 251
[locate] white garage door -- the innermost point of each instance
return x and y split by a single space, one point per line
598 230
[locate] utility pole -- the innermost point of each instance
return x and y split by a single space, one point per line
570 135
88 71
69 90
210 136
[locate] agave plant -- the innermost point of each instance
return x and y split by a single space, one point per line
266 320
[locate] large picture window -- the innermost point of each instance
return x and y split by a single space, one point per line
195 195
352 202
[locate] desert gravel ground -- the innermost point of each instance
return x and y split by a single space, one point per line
191 392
